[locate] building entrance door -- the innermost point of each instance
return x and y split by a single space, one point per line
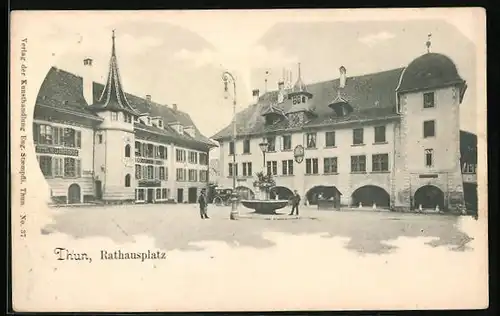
74 194
180 195
98 189
192 195
150 196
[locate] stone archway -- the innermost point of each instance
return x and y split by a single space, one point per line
74 193
321 191
368 195
245 193
283 193
429 196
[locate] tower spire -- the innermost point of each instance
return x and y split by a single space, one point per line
113 97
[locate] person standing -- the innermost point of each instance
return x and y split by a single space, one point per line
295 203
202 201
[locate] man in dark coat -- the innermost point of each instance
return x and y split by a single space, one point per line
295 203
202 201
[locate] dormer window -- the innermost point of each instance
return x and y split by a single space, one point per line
149 121
160 123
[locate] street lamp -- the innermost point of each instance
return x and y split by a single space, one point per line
264 146
227 78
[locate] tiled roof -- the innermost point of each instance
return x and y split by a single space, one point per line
64 90
372 96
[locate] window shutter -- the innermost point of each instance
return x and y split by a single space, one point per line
279 143
78 168
144 172
78 139
156 173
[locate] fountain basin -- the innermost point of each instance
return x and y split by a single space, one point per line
264 206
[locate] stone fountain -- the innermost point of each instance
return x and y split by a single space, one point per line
262 204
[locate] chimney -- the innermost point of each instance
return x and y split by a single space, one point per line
148 97
255 95
343 78
174 106
88 89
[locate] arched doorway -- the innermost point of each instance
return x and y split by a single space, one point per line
371 194
429 196
283 193
245 193
74 194
322 191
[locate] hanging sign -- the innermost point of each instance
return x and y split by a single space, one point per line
298 153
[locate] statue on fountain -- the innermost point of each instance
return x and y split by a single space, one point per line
263 204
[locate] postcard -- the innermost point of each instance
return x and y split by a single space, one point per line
259 160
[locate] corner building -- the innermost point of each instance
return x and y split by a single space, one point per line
96 142
389 139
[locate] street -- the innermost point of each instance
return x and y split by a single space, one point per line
178 226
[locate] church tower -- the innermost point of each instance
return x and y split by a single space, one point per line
114 154
427 171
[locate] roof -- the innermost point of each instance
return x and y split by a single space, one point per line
372 96
429 71
64 90
113 97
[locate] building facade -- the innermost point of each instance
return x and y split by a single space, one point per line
96 142
388 139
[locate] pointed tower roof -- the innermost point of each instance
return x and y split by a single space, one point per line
300 87
113 97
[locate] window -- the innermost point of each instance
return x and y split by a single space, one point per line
429 157
272 167
231 169
150 172
158 194
160 124
357 136
271 143
181 174
71 167
231 148
330 165
58 166
380 162
193 175
330 139
379 134
180 155
469 168
311 140
429 129
99 138
303 99
203 175
127 181
164 193
358 163
137 149
287 167
247 169
246 146
114 116
127 150
138 170
45 136
203 159
193 157
140 194
287 142
428 100
150 150
162 152
312 166
162 173
46 165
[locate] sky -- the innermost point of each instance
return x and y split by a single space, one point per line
178 57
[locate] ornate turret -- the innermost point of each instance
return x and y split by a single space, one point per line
113 97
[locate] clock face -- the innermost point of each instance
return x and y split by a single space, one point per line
298 153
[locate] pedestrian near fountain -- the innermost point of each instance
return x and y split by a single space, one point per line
295 203
202 201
